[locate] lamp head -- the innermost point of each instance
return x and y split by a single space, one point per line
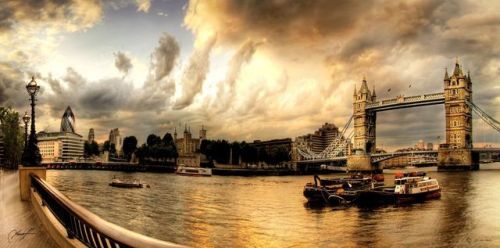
32 87
26 118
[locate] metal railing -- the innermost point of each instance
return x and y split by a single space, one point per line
87 227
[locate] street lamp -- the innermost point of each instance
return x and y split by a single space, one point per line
31 156
26 119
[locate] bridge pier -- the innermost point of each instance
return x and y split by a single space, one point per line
451 159
362 163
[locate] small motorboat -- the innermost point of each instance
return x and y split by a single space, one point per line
341 190
122 183
408 188
194 171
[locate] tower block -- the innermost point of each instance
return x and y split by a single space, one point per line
456 153
364 131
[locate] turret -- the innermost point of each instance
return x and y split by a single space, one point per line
446 77
457 71
374 95
203 133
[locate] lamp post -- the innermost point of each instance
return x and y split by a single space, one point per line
26 119
31 156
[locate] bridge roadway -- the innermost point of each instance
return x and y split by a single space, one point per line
378 157
400 102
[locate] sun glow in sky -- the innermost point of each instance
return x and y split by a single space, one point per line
244 69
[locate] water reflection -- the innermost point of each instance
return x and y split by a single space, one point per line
271 211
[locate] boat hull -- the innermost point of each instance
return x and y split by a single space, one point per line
379 197
126 185
193 174
419 197
194 171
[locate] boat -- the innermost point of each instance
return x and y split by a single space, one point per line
341 190
193 171
122 183
408 188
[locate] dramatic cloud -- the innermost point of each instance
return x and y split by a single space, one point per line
122 62
247 69
278 21
333 44
76 14
165 56
194 74
226 91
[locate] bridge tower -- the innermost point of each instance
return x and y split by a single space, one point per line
364 130
456 153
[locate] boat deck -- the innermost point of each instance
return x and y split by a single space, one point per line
16 215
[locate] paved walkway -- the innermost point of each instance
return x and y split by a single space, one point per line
18 216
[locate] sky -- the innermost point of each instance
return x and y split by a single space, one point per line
245 69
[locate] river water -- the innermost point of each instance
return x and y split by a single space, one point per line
271 211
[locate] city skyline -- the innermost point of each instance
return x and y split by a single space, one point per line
246 71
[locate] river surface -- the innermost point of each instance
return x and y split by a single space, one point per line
271 211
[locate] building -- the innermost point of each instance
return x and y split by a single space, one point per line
430 146
116 138
65 145
420 145
68 121
320 139
91 137
60 146
188 147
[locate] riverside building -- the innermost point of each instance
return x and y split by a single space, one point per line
116 138
188 147
91 136
65 145
320 139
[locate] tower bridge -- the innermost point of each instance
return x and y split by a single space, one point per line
359 147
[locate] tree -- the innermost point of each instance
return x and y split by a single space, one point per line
157 150
236 153
86 149
106 146
153 140
90 149
112 148
168 139
94 148
13 138
129 146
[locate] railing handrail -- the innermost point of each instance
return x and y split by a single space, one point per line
117 233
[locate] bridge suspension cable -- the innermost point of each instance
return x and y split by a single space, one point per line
486 117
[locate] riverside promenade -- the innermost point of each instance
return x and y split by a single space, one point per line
20 226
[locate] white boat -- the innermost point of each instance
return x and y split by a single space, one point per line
409 187
194 171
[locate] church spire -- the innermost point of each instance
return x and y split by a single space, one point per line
373 92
